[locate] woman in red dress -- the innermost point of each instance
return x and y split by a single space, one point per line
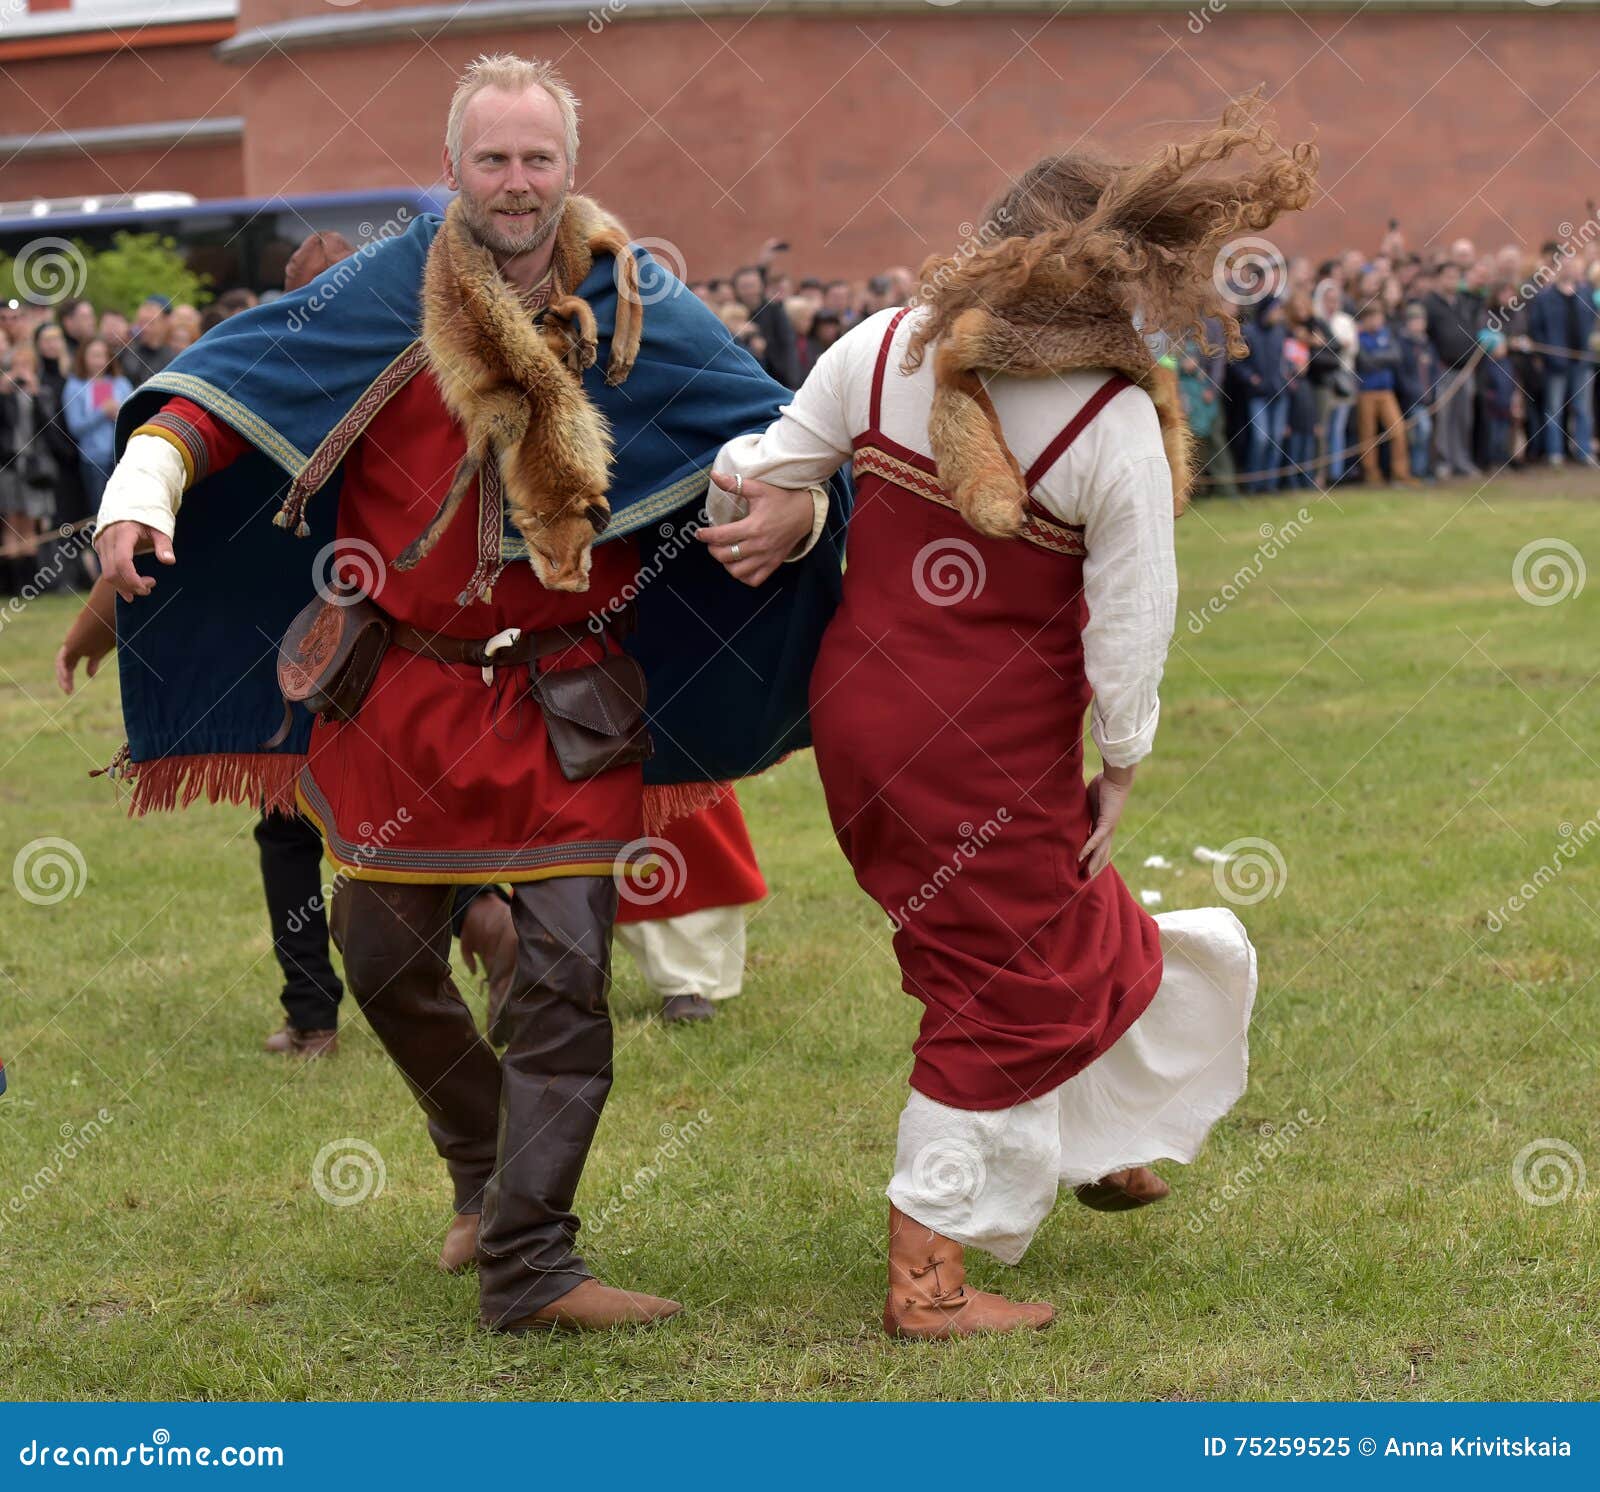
1019 462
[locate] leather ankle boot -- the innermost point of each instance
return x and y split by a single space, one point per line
928 1294
1122 1191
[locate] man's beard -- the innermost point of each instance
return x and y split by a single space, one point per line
506 241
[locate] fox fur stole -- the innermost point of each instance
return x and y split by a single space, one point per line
1034 332
516 385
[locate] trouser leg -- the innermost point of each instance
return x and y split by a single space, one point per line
1395 424
1367 437
555 1075
291 873
396 946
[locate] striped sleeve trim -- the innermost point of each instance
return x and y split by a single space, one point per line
178 432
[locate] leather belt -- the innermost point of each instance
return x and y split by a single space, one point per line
508 648
504 649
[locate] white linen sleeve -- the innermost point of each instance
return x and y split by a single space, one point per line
146 486
1130 582
808 442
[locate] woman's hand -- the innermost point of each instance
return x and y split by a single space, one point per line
752 547
1108 796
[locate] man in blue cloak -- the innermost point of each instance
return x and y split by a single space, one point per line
496 429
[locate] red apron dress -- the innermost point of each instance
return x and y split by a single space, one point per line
947 707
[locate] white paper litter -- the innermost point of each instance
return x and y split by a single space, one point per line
1150 898
1210 857
1157 862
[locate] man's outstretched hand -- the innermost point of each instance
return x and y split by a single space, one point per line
778 519
117 543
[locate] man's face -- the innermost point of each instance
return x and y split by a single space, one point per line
748 288
114 327
80 321
150 323
1462 253
514 174
837 298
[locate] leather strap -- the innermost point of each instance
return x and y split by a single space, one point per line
524 649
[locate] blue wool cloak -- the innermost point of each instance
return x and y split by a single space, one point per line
727 665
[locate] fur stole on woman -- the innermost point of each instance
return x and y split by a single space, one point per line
516 386
1037 331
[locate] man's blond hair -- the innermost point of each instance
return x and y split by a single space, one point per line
511 74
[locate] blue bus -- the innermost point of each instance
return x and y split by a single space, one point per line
237 242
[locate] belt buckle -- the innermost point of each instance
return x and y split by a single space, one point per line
502 639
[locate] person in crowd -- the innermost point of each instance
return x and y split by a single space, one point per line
1562 321
1199 386
1377 404
183 329
802 314
77 321
54 367
1301 422
27 468
826 329
92 397
879 296
839 300
1266 382
1455 315
813 290
1499 388
1333 374
147 352
777 356
1416 379
116 331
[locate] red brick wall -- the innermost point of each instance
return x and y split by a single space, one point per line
868 142
47 95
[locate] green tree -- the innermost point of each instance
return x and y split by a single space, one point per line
139 265
115 279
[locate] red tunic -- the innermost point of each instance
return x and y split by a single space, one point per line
441 777
705 860
949 738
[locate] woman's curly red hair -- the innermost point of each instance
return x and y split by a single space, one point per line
1143 238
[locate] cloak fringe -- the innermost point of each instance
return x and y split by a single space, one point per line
172 782
670 802
175 782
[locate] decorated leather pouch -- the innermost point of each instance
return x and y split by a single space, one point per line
594 716
329 657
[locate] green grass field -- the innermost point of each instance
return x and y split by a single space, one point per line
1379 703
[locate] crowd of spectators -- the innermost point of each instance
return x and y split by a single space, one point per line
1396 367
64 373
1399 367
1393 366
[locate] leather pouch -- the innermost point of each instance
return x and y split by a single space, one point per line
330 656
594 716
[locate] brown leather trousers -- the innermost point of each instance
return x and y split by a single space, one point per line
514 1132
